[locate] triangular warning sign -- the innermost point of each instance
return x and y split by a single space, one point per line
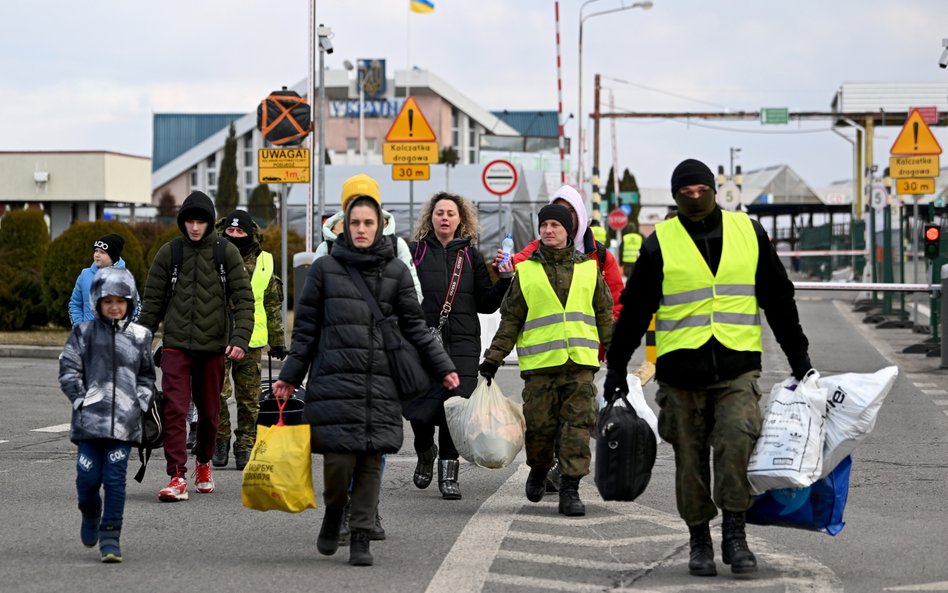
916 137
410 125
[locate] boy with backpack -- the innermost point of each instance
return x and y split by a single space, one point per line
195 284
106 371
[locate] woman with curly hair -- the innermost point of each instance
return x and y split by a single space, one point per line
444 254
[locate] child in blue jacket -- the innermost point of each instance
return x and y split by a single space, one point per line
107 372
106 251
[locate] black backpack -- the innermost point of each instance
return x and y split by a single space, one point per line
177 256
625 451
152 432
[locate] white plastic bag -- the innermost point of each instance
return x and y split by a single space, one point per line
852 405
789 451
487 429
637 397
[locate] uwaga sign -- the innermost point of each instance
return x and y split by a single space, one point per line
283 165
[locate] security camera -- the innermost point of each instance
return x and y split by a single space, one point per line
324 33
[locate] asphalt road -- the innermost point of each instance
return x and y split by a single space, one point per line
493 540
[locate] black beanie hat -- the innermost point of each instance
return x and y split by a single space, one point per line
558 213
241 220
691 172
111 244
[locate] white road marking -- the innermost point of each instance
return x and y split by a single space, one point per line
942 586
467 566
934 392
4 441
940 402
54 428
926 385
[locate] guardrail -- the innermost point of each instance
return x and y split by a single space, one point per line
935 290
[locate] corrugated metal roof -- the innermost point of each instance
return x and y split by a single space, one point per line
861 97
543 124
175 133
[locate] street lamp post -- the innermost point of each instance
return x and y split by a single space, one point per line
582 118
325 47
360 80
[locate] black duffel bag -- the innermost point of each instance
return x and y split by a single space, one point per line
625 451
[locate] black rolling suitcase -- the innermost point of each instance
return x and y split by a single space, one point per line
270 408
625 451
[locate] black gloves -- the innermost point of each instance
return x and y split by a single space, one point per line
487 370
800 366
277 352
615 382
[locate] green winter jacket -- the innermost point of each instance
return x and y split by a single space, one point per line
558 265
195 318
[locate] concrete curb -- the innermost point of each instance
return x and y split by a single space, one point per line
24 351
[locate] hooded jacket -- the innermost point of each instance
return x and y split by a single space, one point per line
712 362
332 229
475 294
80 307
195 316
351 398
106 368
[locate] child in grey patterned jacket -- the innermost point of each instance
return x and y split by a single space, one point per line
107 372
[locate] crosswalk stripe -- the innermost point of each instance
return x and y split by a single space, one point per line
593 543
54 428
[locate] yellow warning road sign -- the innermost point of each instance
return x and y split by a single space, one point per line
283 165
411 172
409 153
905 187
924 165
410 125
915 138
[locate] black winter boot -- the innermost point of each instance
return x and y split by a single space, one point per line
448 479
424 470
377 533
221 453
359 554
570 504
701 563
734 550
328 540
344 525
109 544
241 458
536 484
89 530
192 435
553 477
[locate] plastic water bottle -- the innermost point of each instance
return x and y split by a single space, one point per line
507 248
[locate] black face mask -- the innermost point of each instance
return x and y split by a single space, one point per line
696 208
241 243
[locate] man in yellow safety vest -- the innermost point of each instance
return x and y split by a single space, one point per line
239 228
705 273
557 311
631 244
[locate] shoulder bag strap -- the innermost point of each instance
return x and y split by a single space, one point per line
366 295
452 288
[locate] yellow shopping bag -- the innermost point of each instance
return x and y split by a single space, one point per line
279 474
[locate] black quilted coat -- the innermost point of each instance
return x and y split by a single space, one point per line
351 399
476 294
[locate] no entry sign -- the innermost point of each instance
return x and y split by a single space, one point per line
617 220
499 177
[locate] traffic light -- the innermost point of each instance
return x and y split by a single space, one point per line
932 240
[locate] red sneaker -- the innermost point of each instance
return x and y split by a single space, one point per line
203 482
177 489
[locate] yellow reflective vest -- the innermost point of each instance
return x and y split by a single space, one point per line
552 333
262 273
696 304
631 244
599 234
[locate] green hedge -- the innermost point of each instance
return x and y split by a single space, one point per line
24 240
71 252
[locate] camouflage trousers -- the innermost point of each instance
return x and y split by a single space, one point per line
722 420
246 380
564 404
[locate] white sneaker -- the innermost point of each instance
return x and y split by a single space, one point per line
203 482
177 489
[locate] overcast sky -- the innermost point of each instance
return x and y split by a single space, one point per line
89 75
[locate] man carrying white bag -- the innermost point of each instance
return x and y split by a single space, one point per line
487 428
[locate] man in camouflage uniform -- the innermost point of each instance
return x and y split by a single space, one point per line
557 311
240 229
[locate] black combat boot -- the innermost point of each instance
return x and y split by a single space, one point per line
570 504
359 554
701 563
221 453
344 525
377 533
328 540
241 458
424 469
536 484
448 479
734 550
553 477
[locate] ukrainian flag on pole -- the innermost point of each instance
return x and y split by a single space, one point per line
422 6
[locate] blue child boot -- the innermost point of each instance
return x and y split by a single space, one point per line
89 531
109 543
